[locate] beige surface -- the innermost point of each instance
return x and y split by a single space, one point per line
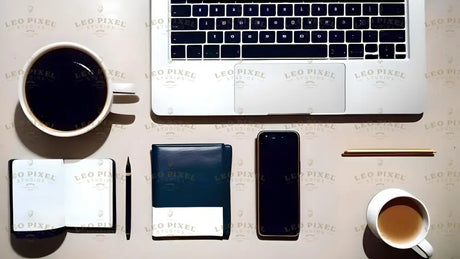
335 190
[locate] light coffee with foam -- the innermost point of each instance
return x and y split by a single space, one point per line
400 220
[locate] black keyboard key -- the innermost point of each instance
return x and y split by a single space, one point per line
355 51
216 10
318 9
284 36
275 23
301 36
353 9
250 10
284 51
336 36
344 23
267 10
184 24
215 37
206 24
230 51
327 23
181 10
200 10
211 51
353 36
335 9
250 37
371 56
370 36
371 47
234 10
177 51
258 23
361 23
392 36
293 23
318 36
337 50
241 23
401 48
194 51
188 37
400 56
370 9
392 9
267 36
301 9
224 23
310 23
388 23
284 10
232 37
386 51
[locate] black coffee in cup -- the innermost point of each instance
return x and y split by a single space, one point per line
66 89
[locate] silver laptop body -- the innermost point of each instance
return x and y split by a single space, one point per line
250 66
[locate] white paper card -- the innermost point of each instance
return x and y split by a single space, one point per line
89 193
187 221
37 195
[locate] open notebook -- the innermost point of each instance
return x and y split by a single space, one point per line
51 194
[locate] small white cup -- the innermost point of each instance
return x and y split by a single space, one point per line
112 88
393 197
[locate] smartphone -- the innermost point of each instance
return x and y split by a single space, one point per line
278 189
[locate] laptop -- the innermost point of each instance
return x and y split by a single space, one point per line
241 57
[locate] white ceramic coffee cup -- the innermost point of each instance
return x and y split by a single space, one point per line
377 203
112 88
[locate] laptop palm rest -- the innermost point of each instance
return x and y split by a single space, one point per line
285 88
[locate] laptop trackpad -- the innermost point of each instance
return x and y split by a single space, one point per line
280 88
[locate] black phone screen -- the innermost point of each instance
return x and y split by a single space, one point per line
278 183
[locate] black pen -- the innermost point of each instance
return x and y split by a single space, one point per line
128 200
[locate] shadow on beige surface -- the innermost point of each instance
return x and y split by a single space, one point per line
284 119
377 249
65 147
37 247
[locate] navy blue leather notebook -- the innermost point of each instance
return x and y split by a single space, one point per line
191 190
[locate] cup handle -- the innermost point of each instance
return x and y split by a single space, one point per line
424 249
123 88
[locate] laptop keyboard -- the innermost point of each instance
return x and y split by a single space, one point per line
204 29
